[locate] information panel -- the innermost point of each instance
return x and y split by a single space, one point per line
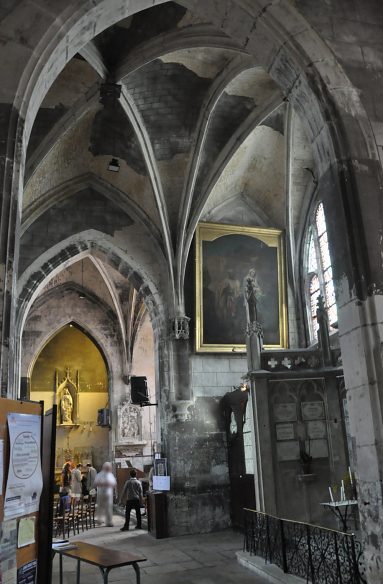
25 483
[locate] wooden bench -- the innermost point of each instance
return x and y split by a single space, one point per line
104 558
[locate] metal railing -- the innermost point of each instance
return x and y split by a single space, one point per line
317 554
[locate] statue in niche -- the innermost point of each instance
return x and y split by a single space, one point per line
67 398
66 407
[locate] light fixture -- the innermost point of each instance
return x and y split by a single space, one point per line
244 387
114 165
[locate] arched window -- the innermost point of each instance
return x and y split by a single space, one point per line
319 277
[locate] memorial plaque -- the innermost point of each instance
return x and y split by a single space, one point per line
285 431
316 429
313 410
317 448
288 450
286 412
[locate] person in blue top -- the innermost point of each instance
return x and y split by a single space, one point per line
64 502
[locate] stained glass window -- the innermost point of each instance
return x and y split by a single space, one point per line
314 293
312 256
319 271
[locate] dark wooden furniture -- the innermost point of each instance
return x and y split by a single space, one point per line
157 514
104 558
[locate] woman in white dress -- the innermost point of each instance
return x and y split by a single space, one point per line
105 482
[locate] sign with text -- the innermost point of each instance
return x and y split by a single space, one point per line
286 412
313 410
285 431
161 483
24 483
316 429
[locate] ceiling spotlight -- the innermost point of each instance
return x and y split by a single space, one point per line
81 295
114 165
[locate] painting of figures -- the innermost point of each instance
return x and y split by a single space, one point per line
228 258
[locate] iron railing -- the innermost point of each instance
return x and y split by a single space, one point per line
317 554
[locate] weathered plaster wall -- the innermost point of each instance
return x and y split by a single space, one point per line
196 443
200 498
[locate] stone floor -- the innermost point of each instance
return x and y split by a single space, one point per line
192 559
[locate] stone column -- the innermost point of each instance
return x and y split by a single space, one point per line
361 339
263 454
10 157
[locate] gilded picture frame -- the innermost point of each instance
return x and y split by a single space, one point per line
224 256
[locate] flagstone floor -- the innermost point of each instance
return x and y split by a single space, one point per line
192 559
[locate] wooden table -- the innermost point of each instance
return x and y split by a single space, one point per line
104 558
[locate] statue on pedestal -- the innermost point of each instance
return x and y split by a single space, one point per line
254 333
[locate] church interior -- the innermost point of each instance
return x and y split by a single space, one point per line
192 194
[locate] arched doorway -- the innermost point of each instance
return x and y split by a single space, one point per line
71 371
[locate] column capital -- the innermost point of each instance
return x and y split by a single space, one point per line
180 327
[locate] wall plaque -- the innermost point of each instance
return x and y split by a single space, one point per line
288 450
313 410
286 412
285 431
317 448
316 429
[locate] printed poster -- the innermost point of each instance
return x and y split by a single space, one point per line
27 573
8 540
24 483
26 533
1 467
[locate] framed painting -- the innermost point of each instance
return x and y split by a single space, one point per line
225 254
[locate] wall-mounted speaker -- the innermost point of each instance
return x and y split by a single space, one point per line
139 390
103 417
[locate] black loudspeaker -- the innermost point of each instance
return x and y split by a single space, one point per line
103 417
139 390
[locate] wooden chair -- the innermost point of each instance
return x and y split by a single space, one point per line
91 510
61 521
74 515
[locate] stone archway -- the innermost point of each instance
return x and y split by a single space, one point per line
71 370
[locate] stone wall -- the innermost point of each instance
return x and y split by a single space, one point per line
200 497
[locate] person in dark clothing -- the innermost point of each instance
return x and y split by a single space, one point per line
64 502
66 475
133 491
84 487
